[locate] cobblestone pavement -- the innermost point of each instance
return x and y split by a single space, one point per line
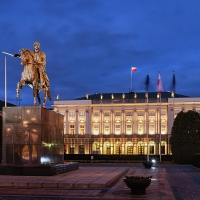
184 181
169 182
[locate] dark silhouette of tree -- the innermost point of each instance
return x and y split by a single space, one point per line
185 138
1 127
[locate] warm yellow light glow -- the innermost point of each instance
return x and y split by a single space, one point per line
82 120
129 119
71 119
128 132
25 122
96 119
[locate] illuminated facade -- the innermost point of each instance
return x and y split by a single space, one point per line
121 123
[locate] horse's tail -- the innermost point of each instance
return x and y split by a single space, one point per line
49 93
38 96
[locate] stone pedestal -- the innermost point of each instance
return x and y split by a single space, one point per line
32 136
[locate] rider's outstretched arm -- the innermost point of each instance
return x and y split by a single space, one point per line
17 55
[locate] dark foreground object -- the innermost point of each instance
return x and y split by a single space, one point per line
38 170
148 164
137 184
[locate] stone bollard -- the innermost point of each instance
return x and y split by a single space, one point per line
92 159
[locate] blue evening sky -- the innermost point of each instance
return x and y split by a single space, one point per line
91 45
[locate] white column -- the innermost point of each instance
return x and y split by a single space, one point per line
66 123
87 122
135 120
112 122
123 122
76 123
101 122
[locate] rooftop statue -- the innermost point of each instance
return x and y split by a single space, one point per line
34 73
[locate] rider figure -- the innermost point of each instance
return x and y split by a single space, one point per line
40 62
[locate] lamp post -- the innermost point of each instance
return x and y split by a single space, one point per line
147 125
5 85
159 98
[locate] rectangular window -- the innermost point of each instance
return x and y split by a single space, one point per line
163 129
163 113
129 114
108 150
119 150
140 128
162 149
81 113
96 129
140 118
71 114
71 150
117 129
151 150
82 130
141 150
117 114
128 129
129 150
106 129
152 119
71 129
151 113
81 149
106 114
96 114
140 113
151 129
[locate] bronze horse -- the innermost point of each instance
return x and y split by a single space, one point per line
30 76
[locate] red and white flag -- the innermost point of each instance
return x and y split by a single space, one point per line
160 87
133 69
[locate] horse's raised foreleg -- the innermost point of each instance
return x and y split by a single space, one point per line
19 87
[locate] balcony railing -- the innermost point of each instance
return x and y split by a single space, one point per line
123 101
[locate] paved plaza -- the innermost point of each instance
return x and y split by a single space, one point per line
105 181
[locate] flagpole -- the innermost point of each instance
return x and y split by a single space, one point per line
160 126
160 89
131 80
5 85
147 97
173 95
147 126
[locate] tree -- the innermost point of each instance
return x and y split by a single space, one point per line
185 137
1 127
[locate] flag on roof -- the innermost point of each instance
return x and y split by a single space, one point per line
133 69
147 81
173 82
160 87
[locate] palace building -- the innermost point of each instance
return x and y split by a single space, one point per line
122 123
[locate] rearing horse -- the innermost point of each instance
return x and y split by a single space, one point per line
30 76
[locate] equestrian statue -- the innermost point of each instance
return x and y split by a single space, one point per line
34 74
